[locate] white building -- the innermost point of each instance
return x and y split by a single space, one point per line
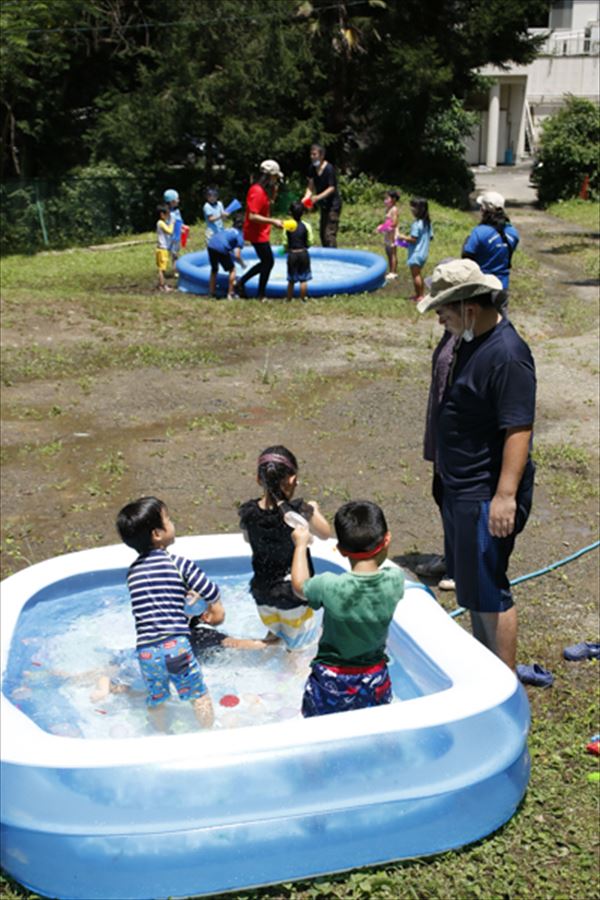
520 97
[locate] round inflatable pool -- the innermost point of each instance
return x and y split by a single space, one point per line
334 272
92 806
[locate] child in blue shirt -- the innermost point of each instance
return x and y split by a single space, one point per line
214 213
171 198
160 586
225 249
421 233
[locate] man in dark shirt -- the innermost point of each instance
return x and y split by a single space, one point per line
484 432
322 190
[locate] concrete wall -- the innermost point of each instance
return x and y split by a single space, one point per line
584 12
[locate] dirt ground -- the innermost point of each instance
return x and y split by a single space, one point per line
348 395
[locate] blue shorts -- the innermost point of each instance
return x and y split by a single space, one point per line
476 560
170 662
332 689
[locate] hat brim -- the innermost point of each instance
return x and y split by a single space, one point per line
485 285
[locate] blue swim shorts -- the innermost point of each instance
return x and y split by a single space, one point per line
332 689
171 661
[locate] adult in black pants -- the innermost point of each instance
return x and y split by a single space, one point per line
257 225
322 189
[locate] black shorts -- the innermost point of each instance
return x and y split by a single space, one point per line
219 259
203 637
298 266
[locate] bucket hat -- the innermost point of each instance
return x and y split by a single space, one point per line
459 279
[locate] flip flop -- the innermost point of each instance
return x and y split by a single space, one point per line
535 675
583 650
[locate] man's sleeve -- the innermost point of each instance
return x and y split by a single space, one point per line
513 393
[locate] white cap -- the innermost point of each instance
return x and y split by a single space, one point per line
491 200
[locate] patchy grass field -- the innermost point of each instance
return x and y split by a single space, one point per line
111 391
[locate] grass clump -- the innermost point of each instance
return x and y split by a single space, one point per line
585 213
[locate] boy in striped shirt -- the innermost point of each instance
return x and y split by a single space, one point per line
160 585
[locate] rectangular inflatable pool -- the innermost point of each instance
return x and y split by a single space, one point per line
203 812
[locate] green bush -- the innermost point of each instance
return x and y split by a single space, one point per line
569 151
87 206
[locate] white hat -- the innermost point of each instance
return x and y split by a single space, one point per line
459 279
271 168
491 200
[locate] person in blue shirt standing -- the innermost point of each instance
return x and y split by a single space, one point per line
171 198
492 243
225 249
214 213
484 432
417 243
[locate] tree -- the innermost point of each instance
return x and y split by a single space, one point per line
569 151
209 88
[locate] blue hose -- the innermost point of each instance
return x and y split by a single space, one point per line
554 565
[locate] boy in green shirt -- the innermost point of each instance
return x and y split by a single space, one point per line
350 668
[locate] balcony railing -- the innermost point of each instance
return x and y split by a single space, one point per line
585 42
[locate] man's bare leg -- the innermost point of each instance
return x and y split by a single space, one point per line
498 632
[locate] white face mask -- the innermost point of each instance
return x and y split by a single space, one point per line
316 163
467 334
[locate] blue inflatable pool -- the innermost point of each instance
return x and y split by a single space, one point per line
334 272
141 818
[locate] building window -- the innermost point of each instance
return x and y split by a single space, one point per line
561 14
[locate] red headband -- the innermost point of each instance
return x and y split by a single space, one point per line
364 554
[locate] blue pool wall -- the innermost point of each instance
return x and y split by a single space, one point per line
194 272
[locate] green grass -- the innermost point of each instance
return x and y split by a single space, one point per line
585 213
548 850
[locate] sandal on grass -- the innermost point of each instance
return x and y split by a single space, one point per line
535 675
583 650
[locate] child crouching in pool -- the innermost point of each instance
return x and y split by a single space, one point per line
350 668
159 586
262 521
124 676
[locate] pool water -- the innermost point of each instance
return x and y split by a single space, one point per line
322 269
63 643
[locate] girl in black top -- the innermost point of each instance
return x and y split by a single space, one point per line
286 616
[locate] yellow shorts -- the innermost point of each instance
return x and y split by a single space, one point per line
162 259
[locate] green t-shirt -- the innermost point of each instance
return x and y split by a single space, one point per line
358 610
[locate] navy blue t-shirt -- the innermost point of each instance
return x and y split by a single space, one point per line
491 388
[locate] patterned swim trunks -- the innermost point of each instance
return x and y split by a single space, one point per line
170 662
331 689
